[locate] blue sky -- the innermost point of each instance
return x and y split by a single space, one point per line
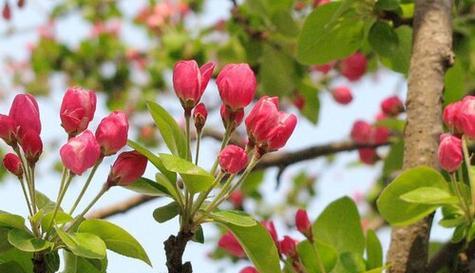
335 122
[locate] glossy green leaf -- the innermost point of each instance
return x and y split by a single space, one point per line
76 264
330 32
61 218
155 160
308 254
148 187
454 83
311 108
383 39
84 244
277 74
340 226
399 212
234 217
374 250
284 23
430 196
195 178
11 267
44 203
352 262
20 257
167 184
258 245
11 220
115 238
199 236
25 241
4 244
169 129
399 60
387 4
167 212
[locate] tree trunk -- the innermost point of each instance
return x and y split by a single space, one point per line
174 249
431 56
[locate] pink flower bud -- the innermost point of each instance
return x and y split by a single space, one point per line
236 198
232 159
111 134
228 117
302 222
128 167
6 11
269 225
379 135
248 269
7 129
237 85
200 113
288 247
81 152
361 132
392 106
450 152
77 110
324 68
380 116
262 118
278 136
451 116
299 101
25 112
466 116
342 95
230 244
190 81
368 155
12 163
354 66
31 144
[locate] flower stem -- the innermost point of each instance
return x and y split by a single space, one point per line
470 175
202 197
104 189
198 142
26 196
85 187
33 188
465 207
65 181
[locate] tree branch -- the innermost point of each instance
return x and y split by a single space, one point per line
278 159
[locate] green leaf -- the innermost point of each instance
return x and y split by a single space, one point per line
52 262
4 244
399 212
383 39
393 161
340 226
352 262
330 32
169 185
44 203
285 24
374 250
430 196
115 238
25 241
308 255
11 220
84 244
454 83
155 160
167 212
195 178
11 267
171 133
61 218
387 4
311 108
199 236
20 257
399 60
148 187
258 245
76 264
234 217
277 75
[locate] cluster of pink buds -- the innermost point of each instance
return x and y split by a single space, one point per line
368 134
342 95
352 67
459 117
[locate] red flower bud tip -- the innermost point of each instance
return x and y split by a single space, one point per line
381 116
25 112
324 68
236 198
200 113
269 225
450 152
368 155
77 110
128 167
288 247
299 101
342 95
354 66
31 144
232 159
299 5
12 163
7 12
451 116
227 116
392 106
236 85
379 135
230 244
7 129
466 116
248 269
302 222
361 132
81 152
267 127
111 134
190 81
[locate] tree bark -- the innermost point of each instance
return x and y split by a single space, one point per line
174 249
39 263
431 56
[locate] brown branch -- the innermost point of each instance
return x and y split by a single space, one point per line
280 159
431 56
174 249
